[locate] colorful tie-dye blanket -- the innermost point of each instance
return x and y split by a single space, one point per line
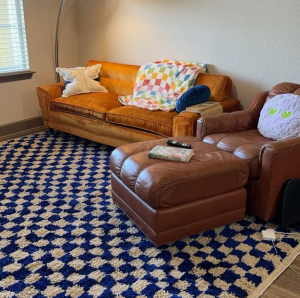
159 84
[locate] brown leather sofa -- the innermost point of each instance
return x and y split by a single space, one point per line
270 163
100 116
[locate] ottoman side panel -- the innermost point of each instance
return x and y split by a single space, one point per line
167 224
185 214
199 226
138 206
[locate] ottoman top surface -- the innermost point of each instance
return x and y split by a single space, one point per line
163 183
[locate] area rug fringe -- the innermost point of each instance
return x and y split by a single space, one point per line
276 273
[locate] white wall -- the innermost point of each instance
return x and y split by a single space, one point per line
18 100
255 42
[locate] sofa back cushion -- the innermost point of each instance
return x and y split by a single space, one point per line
283 88
120 78
116 77
220 86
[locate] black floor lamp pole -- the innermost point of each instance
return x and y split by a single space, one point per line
57 79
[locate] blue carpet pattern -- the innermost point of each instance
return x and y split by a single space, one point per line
61 235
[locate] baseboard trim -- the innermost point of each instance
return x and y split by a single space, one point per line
21 128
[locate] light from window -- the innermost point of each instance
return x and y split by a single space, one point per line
13 43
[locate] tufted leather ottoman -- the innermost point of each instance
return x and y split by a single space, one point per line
170 200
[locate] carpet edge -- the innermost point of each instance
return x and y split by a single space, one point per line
276 273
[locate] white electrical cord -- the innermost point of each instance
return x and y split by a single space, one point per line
270 235
296 234
287 235
284 235
282 258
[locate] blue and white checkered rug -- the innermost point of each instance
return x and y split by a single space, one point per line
61 235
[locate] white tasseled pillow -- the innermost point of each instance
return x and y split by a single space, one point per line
81 80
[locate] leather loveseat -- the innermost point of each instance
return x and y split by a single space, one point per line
101 117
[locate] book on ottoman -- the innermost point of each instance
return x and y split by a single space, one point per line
206 109
171 153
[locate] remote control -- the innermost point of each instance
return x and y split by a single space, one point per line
179 144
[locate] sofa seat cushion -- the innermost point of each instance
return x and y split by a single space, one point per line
245 145
92 105
154 121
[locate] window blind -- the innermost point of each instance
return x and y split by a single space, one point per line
13 43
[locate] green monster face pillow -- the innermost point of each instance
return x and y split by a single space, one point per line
280 117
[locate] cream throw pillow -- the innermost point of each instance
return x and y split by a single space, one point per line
81 80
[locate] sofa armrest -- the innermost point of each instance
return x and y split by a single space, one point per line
230 105
288 144
45 95
185 124
224 123
279 161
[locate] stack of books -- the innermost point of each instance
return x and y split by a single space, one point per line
171 153
206 109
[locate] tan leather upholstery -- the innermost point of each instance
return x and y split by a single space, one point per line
95 105
170 200
270 163
74 114
158 122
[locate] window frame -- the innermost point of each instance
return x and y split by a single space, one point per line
17 75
